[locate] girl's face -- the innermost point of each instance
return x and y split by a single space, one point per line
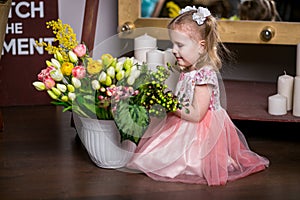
186 50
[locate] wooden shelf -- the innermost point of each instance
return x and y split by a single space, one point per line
249 101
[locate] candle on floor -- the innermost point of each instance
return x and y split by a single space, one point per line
298 61
285 86
296 106
277 105
142 45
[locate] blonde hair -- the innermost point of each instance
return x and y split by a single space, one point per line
207 31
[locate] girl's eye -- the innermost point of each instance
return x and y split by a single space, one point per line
180 45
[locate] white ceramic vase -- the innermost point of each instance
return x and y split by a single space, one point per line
102 141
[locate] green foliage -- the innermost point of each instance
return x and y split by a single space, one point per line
132 115
132 120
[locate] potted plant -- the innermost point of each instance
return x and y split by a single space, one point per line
112 98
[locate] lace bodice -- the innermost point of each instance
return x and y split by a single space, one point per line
188 80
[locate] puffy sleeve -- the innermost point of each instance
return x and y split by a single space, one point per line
206 75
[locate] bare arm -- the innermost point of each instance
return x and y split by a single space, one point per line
199 106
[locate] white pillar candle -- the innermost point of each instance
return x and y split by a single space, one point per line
172 81
142 45
169 57
154 58
296 106
277 105
298 61
140 54
285 87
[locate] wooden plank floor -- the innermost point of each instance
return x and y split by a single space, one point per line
41 159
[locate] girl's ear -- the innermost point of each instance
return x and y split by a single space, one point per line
202 43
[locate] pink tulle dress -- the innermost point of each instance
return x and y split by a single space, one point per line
212 151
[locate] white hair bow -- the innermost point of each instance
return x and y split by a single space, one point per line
199 16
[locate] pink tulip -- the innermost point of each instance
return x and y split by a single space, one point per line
80 50
79 72
49 82
45 73
42 75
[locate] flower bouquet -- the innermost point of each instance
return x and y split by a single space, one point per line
107 92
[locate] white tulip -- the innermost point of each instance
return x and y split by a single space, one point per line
95 85
61 87
40 86
119 66
136 73
76 82
72 56
111 72
56 75
130 80
133 68
72 96
55 63
102 77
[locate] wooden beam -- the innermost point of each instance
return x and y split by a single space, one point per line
243 31
4 10
89 23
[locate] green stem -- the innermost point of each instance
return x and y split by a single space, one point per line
78 110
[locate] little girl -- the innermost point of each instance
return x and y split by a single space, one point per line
199 143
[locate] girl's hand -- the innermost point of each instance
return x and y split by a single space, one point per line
199 106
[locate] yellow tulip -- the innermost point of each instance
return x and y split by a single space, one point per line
94 66
128 63
128 72
66 68
114 62
56 91
48 63
58 56
70 88
108 81
107 59
52 95
64 98
120 75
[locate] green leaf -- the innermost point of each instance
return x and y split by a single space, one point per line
132 120
67 108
